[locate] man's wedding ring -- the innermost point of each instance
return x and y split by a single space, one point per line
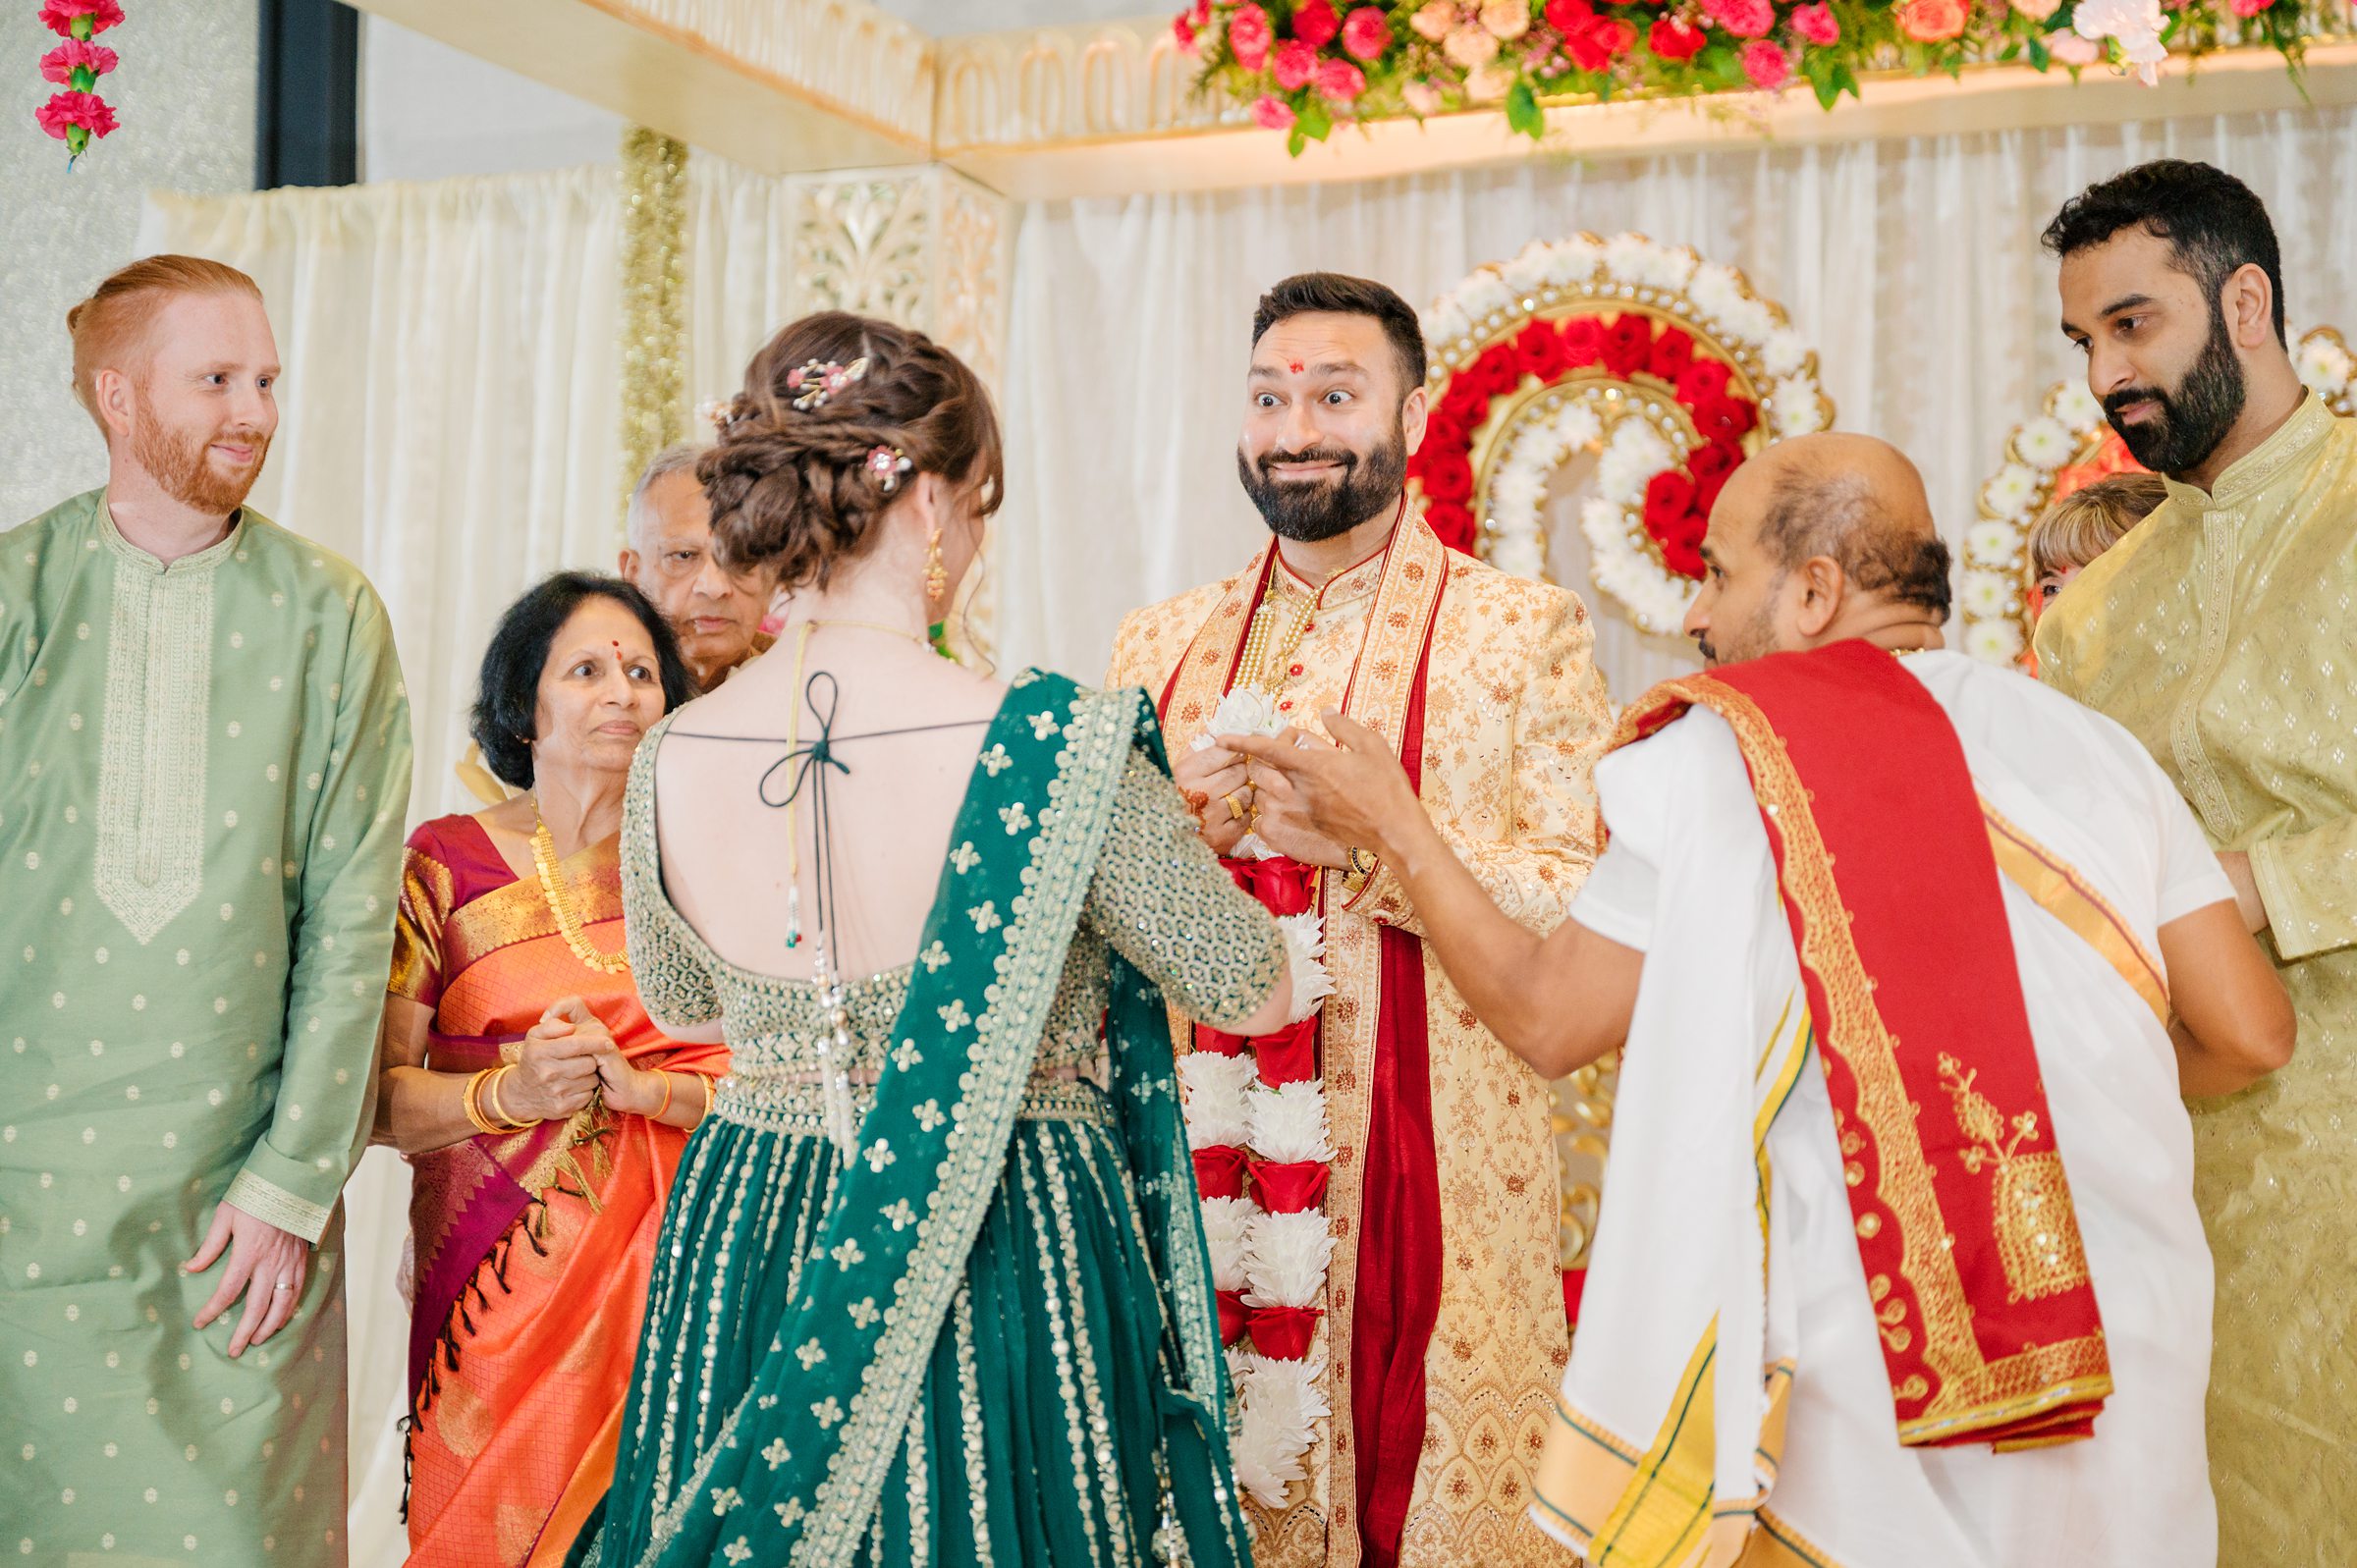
286 1284
1236 808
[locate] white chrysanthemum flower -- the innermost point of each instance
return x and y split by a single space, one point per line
1483 293
1521 555
1526 273
1676 264
1796 407
1998 641
2076 407
2013 492
1282 1405
1750 319
1305 949
2325 366
1629 259
1987 594
1212 1095
1715 290
1227 1228
1635 455
1576 427
1992 543
1245 711
1519 485
1288 1122
1286 1258
1786 352
2044 444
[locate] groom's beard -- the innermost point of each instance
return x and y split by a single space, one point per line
1307 511
2194 417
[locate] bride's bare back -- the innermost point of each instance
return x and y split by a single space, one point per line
724 767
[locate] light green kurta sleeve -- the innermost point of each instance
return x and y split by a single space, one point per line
341 941
2308 882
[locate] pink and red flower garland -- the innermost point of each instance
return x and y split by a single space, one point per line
78 113
1678 501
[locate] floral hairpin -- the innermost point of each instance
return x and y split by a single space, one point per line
890 466
718 412
816 380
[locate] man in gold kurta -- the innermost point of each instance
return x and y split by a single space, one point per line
2221 631
1440 1331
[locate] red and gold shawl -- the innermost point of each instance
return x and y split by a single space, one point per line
1883 855
533 1249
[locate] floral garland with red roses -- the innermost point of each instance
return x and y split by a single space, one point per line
1667 367
1306 65
78 113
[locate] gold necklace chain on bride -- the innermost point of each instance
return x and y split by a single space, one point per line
558 893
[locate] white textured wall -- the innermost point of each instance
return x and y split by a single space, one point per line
428 111
185 95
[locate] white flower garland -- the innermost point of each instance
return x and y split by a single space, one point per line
1275 1260
1494 301
1996 562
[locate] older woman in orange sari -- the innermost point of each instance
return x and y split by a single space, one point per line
542 1110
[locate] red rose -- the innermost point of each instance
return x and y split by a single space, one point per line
1584 342
1249 36
1539 349
1294 1188
1184 31
1272 113
1316 24
1627 343
1495 373
1284 1333
1290 1055
1283 887
1296 63
1448 476
1600 41
1668 497
1703 380
1566 15
1453 523
1684 558
1673 351
1341 82
1441 434
1367 32
1220 1171
1672 40
1723 419
1233 1313
1711 464
1463 405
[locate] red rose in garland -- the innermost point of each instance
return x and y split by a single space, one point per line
1284 887
1703 380
1710 463
1668 499
1584 342
1449 476
1539 348
1627 345
1723 419
1453 523
1673 351
1463 406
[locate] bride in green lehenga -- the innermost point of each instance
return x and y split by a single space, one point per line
932 1286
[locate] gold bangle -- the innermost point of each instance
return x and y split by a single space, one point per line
469 1100
704 1079
494 1109
666 1105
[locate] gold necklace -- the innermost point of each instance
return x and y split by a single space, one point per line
558 893
1268 652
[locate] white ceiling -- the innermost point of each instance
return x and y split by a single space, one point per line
948 17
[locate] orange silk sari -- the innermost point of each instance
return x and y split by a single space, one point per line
532 1249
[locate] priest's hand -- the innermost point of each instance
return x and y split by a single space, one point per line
556 1068
1283 823
1352 792
1218 791
266 1265
2237 866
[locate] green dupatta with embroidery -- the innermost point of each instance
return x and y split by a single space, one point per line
822 1435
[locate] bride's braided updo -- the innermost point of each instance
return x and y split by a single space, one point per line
792 488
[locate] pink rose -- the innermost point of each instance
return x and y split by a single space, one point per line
1817 24
76 111
1272 113
1475 47
1422 97
1315 23
1339 82
1296 63
2247 8
1184 31
1249 36
1433 19
1767 65
1367 32
60 63
1933 21
1745 19
2072 50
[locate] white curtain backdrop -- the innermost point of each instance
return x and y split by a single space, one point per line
1912 266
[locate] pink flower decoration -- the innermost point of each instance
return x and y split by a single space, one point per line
2072 50
1745 19
1315 23
1422 97
1341 82
69 111
1249 36
1296 63
60 63
1816 24
1767 65
59 16
2247 8
1272 113
1367 33
1184 31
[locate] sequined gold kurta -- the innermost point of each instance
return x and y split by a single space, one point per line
1515 716
2223 631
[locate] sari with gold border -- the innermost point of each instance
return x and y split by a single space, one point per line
533 1248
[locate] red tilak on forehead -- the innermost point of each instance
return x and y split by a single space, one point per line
1293 365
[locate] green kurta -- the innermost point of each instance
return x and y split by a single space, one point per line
203 772
2223 631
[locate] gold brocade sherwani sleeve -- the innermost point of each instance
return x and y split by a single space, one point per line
341 935
1512 672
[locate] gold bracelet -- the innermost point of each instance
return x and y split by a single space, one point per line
666 1105
705 1079
467 1101
489 1100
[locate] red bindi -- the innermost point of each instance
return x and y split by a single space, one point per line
1295 365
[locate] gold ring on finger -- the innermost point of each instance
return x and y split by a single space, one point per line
1235 807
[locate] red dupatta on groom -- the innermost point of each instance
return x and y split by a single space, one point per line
1988 1321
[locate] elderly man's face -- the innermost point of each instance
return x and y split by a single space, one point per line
1743 609
715 612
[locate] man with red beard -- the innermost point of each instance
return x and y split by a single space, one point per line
204 764
1387 1268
